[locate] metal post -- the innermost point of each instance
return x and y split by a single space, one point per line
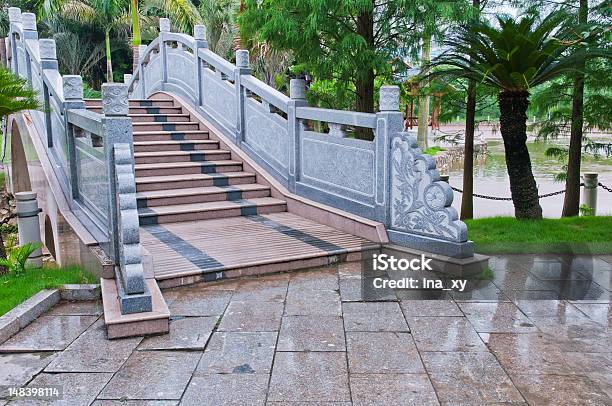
589 195
48 60
164 26
242 68
118 129
389 121
29 225
297 94
72 86
199 34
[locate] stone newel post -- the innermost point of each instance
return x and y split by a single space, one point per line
589 194
389 121
199 35
72 86
243 67
48 60
14 14
297 94
118 129
164 27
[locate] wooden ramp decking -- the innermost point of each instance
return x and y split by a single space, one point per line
189 252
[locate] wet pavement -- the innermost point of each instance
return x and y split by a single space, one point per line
306 338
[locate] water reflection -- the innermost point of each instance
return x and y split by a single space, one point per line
491 178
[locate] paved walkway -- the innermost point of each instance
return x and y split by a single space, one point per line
302 337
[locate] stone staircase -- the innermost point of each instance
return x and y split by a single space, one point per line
195 197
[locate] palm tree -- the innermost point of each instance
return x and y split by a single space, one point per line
108 15
15 96
512 58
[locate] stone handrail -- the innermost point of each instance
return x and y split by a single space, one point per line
310 150
83 147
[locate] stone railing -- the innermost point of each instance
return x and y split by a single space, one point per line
309 150
84 148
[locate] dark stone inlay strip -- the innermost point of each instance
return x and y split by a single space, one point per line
247 208
153 110
146 103
233 193
187 146
299 235
220 179
177 136
168 127
141 204
188 251
207 168
199 157
161 119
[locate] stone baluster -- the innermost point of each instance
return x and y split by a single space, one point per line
14 14
29 30
118 129
164 27
126 78
242 68
72 86
389 121
48 60
199 34
297 95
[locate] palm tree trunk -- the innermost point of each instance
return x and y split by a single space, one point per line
571 201
467 198
109 62
422 130
364 85
3 60
136 39
513 125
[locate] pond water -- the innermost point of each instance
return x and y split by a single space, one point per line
491 178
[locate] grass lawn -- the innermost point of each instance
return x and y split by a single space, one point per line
16 289
507 235
433 150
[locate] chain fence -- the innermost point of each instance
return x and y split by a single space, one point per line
609 189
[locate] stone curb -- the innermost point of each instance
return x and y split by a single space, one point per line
26 312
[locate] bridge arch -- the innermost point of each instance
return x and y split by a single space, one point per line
20 175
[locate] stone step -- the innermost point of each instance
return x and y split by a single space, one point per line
189 135
187 145
201 195
160 118
168 182
167 126
210 210
183 168
135 103
181 156
144 110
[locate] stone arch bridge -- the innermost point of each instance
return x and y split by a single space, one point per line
194 170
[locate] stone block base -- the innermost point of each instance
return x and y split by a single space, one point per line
433 245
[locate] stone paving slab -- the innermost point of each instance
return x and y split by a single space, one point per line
497 317
48 333
252 316
560 390
227 389
374 316
18 369
309 376
325 279
549 308
80 308
194 303
311 333
598 312
262 290
382 353
77 388
430 308
94 352
135 403
188 333
306 302
469 378
392 389
445 334
236 352
576 335
151 375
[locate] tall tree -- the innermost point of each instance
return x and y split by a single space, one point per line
136 38
347 44
423 129
513 58
467 198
